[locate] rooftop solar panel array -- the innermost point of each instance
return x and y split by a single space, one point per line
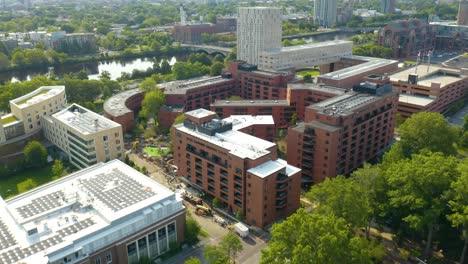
41 204
116 190
17 253
6 238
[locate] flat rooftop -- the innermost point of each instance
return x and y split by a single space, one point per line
243 121
344 104
301 127
89 206
251 102
366 67
181 87
237 143
200 113
84 120
273 166
415 100
429 74
41 94
317 87
318 45
116 104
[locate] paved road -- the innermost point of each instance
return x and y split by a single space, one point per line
458 118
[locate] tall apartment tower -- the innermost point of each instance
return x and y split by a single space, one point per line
325 12
463 13
258 29
387 6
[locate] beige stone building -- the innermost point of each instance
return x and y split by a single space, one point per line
86 137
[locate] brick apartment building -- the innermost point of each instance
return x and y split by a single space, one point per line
429 89
192 33
121 108
339 134
240 170
260 84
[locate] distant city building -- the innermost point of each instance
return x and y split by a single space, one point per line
325 12
429 89
258 29
407 37
226 24
341 133
450 36
463 13
192 33
86 137
387 6
242 171
107 213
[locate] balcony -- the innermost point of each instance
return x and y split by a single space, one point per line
281 186
281 194
308 148
238 187
237 203
224 188
238 179
224 173
282 177
224 180
224 196
210 166
238 195
211 174
281 204
210 181
309 140
198 168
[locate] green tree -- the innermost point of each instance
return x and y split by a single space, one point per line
293 119
418 189
82 75
214 255
179 119
105 75
231 246
374 189
35 154
232 56
216 68
192 229
216 203
459 205
337 196
193 260
151 104
165 67
57 168
148 84
314 238
307 78
427 131
4 60
218 58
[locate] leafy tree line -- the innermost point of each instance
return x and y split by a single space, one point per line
418 190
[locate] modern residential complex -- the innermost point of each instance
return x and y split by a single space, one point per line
86 137
259 42
339 134
28 110
107 213
429 88
325 12
450 36
242 171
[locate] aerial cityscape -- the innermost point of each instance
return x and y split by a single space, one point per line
223 132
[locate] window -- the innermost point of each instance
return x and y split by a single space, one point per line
98 260
108 257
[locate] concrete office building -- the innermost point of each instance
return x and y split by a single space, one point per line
86 137
28 110
325 12
387 6
462 18
304 56
240 170
339 134
107 213
429 89
258 29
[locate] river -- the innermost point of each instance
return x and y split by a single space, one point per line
94 69
340 35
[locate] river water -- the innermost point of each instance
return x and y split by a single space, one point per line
94 69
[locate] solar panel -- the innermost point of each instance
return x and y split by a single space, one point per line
41 204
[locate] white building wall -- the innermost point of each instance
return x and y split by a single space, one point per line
325 12
305 55
258 29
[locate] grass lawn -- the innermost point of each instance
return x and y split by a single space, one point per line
156 152
25 181
408 62
311 72
24 101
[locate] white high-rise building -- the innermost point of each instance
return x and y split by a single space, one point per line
258 29
325 12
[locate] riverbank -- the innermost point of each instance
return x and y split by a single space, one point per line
98 57
311 34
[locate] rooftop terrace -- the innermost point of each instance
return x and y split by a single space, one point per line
37 96
181 87
429 74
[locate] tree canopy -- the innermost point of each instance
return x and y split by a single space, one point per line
35 154
151 103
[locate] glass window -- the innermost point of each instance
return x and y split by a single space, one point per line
108 257
98 260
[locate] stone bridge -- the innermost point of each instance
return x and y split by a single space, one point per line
208 49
